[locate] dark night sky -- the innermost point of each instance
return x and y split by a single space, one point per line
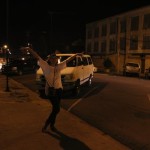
30 20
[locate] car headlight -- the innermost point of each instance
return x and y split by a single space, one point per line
1 65
14 68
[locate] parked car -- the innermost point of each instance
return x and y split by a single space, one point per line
19 67
78 71
132 68
2 62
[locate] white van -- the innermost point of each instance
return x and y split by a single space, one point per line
78 71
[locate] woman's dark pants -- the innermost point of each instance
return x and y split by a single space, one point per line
55 101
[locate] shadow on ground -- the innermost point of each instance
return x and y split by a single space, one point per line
86 91
67 142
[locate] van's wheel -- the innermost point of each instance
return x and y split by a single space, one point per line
76 89
89 82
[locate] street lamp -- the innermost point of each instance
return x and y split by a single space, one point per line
7 57
5 47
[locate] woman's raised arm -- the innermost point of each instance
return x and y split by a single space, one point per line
35 54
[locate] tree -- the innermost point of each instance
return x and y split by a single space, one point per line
107 63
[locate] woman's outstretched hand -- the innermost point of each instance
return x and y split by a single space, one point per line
25 48
31 51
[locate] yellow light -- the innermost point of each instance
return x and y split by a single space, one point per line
5 46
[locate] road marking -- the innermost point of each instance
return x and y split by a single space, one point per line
75 103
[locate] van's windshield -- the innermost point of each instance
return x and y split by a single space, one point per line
72 63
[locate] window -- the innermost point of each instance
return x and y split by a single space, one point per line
132 64
123 26
89 34
85 61
62 58
71 63
146 42
79 61
90 60
104 30
89 47
96 32
134 42
103 47
135 23
146 23
122 43
113 27
112 45
96 45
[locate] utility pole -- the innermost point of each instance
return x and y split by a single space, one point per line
6 46
52 26
51 30
118 45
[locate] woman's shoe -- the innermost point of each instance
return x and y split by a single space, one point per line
53 128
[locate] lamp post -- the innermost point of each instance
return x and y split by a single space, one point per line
7 60
51 30
5 46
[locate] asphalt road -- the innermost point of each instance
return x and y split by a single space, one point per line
118 106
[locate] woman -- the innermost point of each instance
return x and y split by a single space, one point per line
51 70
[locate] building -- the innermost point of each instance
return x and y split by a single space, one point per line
122 38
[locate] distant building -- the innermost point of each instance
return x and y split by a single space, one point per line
123 38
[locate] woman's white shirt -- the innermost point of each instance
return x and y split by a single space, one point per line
52 74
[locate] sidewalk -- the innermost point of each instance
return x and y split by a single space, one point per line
23 113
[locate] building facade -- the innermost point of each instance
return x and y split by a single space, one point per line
121 38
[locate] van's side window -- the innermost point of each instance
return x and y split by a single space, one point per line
85 61
79 61
72 63
90 60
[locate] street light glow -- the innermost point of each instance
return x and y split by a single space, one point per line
5 46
